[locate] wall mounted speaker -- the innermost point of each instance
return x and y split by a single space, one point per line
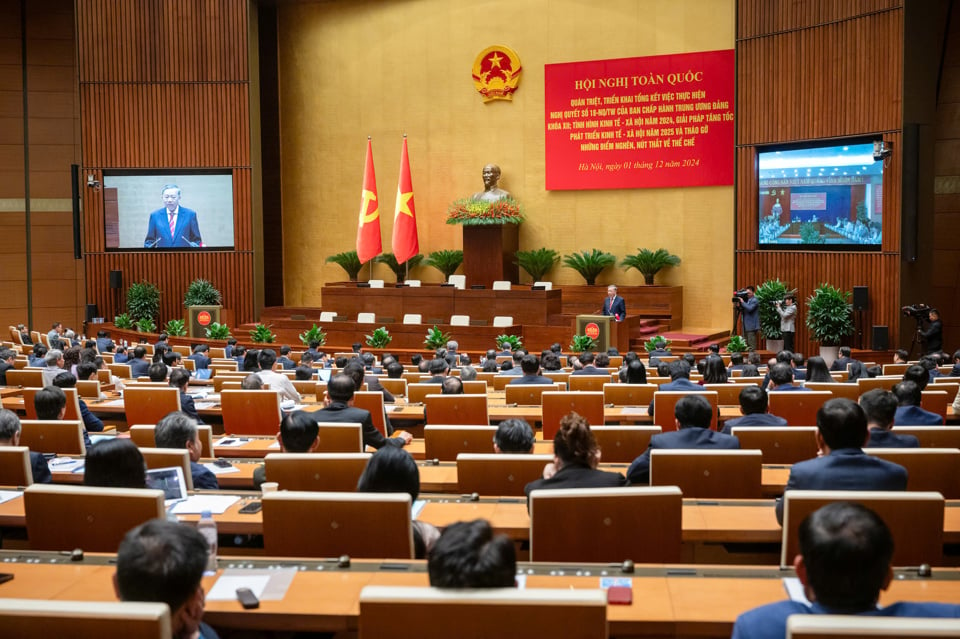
116 279
861 298
881 338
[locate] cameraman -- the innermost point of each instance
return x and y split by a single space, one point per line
787 309
750 310
933 336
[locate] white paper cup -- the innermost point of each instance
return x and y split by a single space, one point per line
269 487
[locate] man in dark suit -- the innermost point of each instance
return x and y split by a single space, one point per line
933 335
530 366
10 436
753 407
842 464
178 430
285 360
138 365
781 378
841 363
356 370
180 379
7 357
909 413
439 369
880 406
588 359
679 380
844 565
173 226
104 343
692 415
121 356
199 356
338 407
955 371
614 305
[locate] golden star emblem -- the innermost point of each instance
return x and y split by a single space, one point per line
403 203
495 59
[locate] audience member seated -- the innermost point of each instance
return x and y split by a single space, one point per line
37 356
394 370
841 463
930 364
139 366
251 361
299 433
781 378
239 352
714 371
71 357
10 436
7 357
451 386
901 356
468 372
507 350
164 561
918 375
200 358
469 555
393 470
53 366
115 463
104 343
158 372
91 423
302 373
180 379
172 359
753 407
356 369
551 362
439 369
530 366
513 436
817 371
588 360
277 381
575 459
251 382
955 371
633 372
338 407
880 406
177 430
844 565
679 379
692 415
736 363
841 363
909 412
284 359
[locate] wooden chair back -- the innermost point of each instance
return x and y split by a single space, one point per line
394 386
883 383
708 474
305 386
417 391
446 442
149 405
528 394
373 402
325 524
413 377
928 469
143 437
340 437
15 467
588 382
61 437
727 394
507 613
915 519
336 472
612 524
558 376
500 382
799 408
665 403
864 627
895 369
628 394
104 376
935 401
555 405
847 391
25 377
504 474
167 457
469 410
779 444
932 436
474 387
88 388
94 519
120 370
250 412
623 444
105 620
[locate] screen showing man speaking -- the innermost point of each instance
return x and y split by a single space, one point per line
168 211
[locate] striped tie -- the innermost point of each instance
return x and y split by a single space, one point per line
172 225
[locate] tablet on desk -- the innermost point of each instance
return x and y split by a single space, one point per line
170 480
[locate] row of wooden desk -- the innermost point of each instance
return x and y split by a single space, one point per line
668 601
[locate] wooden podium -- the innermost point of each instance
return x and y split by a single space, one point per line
199 319
489 253
597 327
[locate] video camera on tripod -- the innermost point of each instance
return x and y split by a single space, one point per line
742 295
919 312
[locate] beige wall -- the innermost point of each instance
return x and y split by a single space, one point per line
349 69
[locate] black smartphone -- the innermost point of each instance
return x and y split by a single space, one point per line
252 508
247 599
227 442
222 463
5 577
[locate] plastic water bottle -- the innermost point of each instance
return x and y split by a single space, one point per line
208 528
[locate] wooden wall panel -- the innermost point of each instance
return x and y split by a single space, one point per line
808 70
165 85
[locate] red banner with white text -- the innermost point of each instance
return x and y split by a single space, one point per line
657 121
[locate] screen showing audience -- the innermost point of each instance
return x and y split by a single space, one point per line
821 197
168 211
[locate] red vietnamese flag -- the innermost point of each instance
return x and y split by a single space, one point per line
368 227
405 243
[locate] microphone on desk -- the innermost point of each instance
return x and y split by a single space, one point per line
192 244
155 242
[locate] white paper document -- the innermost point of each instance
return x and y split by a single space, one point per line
225 589
219 470
795 590
66 464
196 504
7 495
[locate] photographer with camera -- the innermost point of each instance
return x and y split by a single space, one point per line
933 336
746 302
787 309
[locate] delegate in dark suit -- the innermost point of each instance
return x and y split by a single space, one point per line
203 478
138 367
679 384
373 384
880 438
590 369
755 419
575 476
532 379
189 407
41 472
186 233
615 306
845 469
341 412
685 438
916 416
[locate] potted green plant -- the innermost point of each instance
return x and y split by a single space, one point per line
400 270
737 345
649 263
261 334
379 338
143 301
445 261
123 321
657 343
514 341
767 294
146 325
589 264
537 262
201 292
175 328
349 262
830 319
313 334
436 338
582 343
217 330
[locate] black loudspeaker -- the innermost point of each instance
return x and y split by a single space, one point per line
881 338
116 279
861 298
91 312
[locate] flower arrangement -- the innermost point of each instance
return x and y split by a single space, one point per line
470 212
